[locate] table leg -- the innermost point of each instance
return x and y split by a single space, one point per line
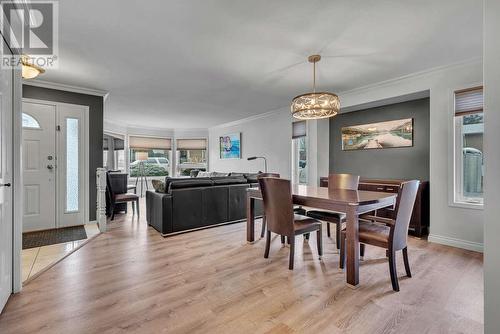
250 219
352 245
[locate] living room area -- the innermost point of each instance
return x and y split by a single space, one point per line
264 167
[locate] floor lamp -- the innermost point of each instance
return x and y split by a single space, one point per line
141 156
265 162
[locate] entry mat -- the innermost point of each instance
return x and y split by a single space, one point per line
55 236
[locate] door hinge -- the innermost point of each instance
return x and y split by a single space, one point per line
58 128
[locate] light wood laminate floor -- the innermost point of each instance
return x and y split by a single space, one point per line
132 280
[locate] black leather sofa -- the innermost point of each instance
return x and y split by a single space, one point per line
195 203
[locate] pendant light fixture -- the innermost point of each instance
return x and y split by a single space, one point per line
29 69
315 105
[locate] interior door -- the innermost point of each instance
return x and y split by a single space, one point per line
39 166
6 256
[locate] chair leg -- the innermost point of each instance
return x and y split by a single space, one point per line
306 236
112 210
133 207
319 237
268 244
338 227
263 230
292 251
393 271
328 233
362 250
342 253
137 207
283 241
407 263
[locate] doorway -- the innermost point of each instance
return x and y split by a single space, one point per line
54 165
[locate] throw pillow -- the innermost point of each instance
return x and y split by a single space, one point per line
158 185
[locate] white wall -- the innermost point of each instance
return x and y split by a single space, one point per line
492 179
267 135
456 226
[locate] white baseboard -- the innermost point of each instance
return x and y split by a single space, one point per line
459 243
92 222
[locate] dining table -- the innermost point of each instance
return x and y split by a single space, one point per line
350 202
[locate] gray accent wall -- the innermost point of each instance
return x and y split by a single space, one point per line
389 163
96 107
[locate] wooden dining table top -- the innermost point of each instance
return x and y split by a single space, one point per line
338 196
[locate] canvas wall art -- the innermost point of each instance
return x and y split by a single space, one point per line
398 133
230 146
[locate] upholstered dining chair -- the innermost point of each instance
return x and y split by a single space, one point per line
120 198
278 208
336 181
276 175
391 234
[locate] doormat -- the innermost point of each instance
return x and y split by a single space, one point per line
55 236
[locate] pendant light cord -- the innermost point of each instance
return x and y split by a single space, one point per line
314 77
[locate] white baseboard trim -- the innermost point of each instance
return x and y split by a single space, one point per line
92 222
459 243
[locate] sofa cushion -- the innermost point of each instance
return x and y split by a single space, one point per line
203 174
218 181
190 183
218 174
158 186
252 177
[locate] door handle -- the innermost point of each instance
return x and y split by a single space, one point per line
4 184
50 167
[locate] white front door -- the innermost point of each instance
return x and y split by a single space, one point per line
54 164
6 91
39 166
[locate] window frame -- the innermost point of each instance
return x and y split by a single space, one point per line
455 192
176 153
128 148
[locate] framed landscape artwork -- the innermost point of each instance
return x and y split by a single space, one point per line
230 146
398 133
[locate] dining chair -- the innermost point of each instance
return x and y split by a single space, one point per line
278 208
391 234
276 175
120 198
336 181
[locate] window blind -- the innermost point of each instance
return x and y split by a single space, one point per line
150 143
119 144
299 129
469 101
191 144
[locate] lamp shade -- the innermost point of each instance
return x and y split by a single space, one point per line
141 156
315 105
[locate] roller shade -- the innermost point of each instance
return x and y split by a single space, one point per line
299 129
191 144
469 101
150 143
119 144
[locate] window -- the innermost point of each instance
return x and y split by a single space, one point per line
30 122
72 165
299 152
191 155
150 156
469 158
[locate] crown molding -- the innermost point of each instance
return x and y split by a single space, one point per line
249 119
423 73
64 87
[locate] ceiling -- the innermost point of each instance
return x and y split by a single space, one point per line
196 64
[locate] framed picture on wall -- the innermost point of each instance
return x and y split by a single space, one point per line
230 146
389 134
